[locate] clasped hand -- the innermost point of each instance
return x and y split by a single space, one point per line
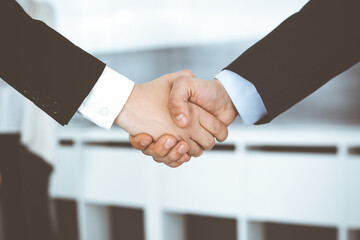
177 116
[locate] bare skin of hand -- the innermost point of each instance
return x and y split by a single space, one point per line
210 95
146 111
166 149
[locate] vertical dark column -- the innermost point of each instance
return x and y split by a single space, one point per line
127 224
210 228
24 192
67 221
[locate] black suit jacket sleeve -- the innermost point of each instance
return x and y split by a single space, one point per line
307 50
43 65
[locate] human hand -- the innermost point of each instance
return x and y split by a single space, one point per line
146 111
165 150
210 95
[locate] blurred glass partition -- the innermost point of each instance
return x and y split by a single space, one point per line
112 25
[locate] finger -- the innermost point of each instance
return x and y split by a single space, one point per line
213 125
184 158
141 141
178 100
195 149
174 164
198 133
177 153
181 161
161 147
203 138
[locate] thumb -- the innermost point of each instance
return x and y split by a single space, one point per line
178 101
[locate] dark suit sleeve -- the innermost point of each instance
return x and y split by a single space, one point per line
43 65
311 47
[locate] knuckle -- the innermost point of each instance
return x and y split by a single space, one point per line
187 72
211 144
160 153
198 152
174 102
158 160
182 79
185 158
217 127
170 159
146 153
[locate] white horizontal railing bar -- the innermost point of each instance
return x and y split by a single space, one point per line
255 134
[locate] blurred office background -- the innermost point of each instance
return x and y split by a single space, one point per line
296 178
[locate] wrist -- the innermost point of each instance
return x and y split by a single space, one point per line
231 105
123 120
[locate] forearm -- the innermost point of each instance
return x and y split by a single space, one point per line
43 65
303 53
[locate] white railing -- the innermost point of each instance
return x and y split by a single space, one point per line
285 174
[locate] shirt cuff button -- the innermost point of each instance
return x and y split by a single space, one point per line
104 111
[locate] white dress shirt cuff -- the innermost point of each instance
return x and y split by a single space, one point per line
107 98
244 96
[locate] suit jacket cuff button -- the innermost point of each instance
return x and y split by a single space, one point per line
55 108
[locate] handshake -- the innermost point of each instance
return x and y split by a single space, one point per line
177 116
